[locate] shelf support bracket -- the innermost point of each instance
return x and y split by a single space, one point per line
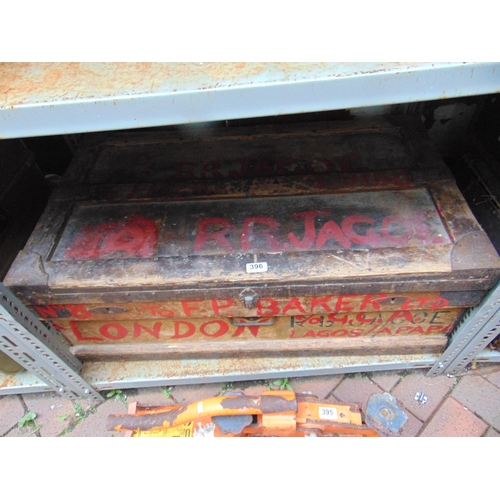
40 350
477 328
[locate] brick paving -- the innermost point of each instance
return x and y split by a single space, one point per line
454 420
464 406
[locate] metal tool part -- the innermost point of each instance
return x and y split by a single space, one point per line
385 414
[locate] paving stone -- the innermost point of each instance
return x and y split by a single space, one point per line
95 424
253 388
26 431
480 396
412 426
319 386
453 420
333 399
356 390
492 433
483 370
435 388
185 394
11 411
151 396
386 380
494 378
48 408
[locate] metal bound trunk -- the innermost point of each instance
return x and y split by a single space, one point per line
345 237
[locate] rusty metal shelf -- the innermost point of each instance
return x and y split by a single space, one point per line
118 375
39 99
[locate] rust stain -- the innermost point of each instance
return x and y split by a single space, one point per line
24 83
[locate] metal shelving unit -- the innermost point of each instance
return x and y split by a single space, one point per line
68 98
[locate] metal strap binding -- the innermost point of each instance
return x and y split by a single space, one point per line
42 351
478 327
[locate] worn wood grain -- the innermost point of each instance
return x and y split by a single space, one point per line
305 347
264 306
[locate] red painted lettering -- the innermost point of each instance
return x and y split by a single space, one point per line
186 305
362 319
164 312
155 332
439 303
321 302
403 329
79 311
422 301
50 311
372 301
310 333
417 329
222 228
217 305
120 331
343 304
339 333
434 328
334 318
250 238
177 329
370 238
331 231
135 236
254 330
420 316
385 330
309 229
323 333
294 304
85 244
407 305
404 233
356 332
150 309
423 230
79 336
223 327
267 307
400 315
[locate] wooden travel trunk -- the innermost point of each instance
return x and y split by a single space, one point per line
329 238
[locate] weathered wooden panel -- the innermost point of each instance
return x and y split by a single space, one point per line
370 346
385 219
208 153
387 235
195 330
276 306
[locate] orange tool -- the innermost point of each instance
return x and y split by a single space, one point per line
274 413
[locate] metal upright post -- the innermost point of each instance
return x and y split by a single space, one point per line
478 327
42 351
